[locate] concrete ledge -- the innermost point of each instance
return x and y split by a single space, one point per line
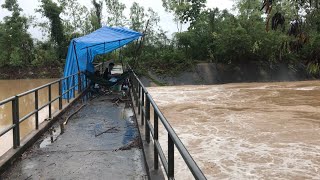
10 156
147 148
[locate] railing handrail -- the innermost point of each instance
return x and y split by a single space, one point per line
6 100
196 171
70 75
38 88
97 64
15 103
192 165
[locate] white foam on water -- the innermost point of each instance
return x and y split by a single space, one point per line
308 88
244 133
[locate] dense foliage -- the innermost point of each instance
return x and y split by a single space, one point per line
259 33
15 42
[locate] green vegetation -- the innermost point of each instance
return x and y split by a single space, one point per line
15 41
259 33
265 36
244 39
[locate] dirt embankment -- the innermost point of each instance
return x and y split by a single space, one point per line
202 73
210 73
30 72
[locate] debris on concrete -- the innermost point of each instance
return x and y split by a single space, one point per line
67 119
84 151
136 143
99 132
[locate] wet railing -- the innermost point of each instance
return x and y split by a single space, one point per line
16 120
143 100
99 66
70 93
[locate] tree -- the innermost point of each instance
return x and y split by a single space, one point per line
75 17
152 34
137 17
302 21
96 14
173 6
185 10
115 13
52 11
15 42
45 54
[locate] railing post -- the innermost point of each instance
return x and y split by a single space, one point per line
60 94
86 86
132 87
87 82
131 84
68 89
156 138
79 83
170 158
139 99
134 84
83 82
136 91
147 129
142 106
15 117
49 98
73 91
36 107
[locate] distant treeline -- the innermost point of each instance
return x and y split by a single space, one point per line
263 33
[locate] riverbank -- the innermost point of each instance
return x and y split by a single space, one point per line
31 72
201 73
213 73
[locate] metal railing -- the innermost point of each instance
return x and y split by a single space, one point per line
143 100
82 83
99 66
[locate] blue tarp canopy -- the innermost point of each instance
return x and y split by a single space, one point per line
82 50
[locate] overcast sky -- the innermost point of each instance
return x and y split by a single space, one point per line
166 22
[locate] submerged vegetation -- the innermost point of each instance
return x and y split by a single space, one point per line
264 34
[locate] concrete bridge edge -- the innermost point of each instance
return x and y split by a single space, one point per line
147 149
12 155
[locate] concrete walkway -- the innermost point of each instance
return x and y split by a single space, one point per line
100 142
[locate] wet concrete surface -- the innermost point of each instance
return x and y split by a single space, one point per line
100 142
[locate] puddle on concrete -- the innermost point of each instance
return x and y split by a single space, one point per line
51 138
127 114
131 132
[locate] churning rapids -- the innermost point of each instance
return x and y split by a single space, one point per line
246 131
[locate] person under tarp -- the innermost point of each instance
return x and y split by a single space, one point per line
108 83
82 51
107 72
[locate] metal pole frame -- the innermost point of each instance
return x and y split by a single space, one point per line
156 138
49 99
36 107
75 51
16 122
60 94
147 120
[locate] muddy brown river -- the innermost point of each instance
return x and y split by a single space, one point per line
247 130
233 131
10 88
